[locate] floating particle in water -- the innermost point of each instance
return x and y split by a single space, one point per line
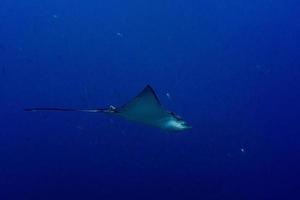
119 34
168 95
242 150
55 16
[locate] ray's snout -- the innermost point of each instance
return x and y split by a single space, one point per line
177 125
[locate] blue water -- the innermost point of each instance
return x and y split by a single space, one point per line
230 68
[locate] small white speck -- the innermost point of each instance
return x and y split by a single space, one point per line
242 150
55 16
120 34
168 95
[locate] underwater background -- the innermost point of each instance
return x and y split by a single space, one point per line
229 68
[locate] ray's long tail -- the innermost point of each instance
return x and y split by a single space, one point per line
105 110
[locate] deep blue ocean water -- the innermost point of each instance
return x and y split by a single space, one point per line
230 68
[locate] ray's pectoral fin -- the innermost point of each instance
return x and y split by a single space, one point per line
145 105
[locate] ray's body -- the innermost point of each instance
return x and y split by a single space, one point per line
144 108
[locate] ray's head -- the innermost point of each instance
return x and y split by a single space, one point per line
176 123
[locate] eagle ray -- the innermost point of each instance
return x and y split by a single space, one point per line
144 108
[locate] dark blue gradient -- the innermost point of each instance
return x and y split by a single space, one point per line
230 68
